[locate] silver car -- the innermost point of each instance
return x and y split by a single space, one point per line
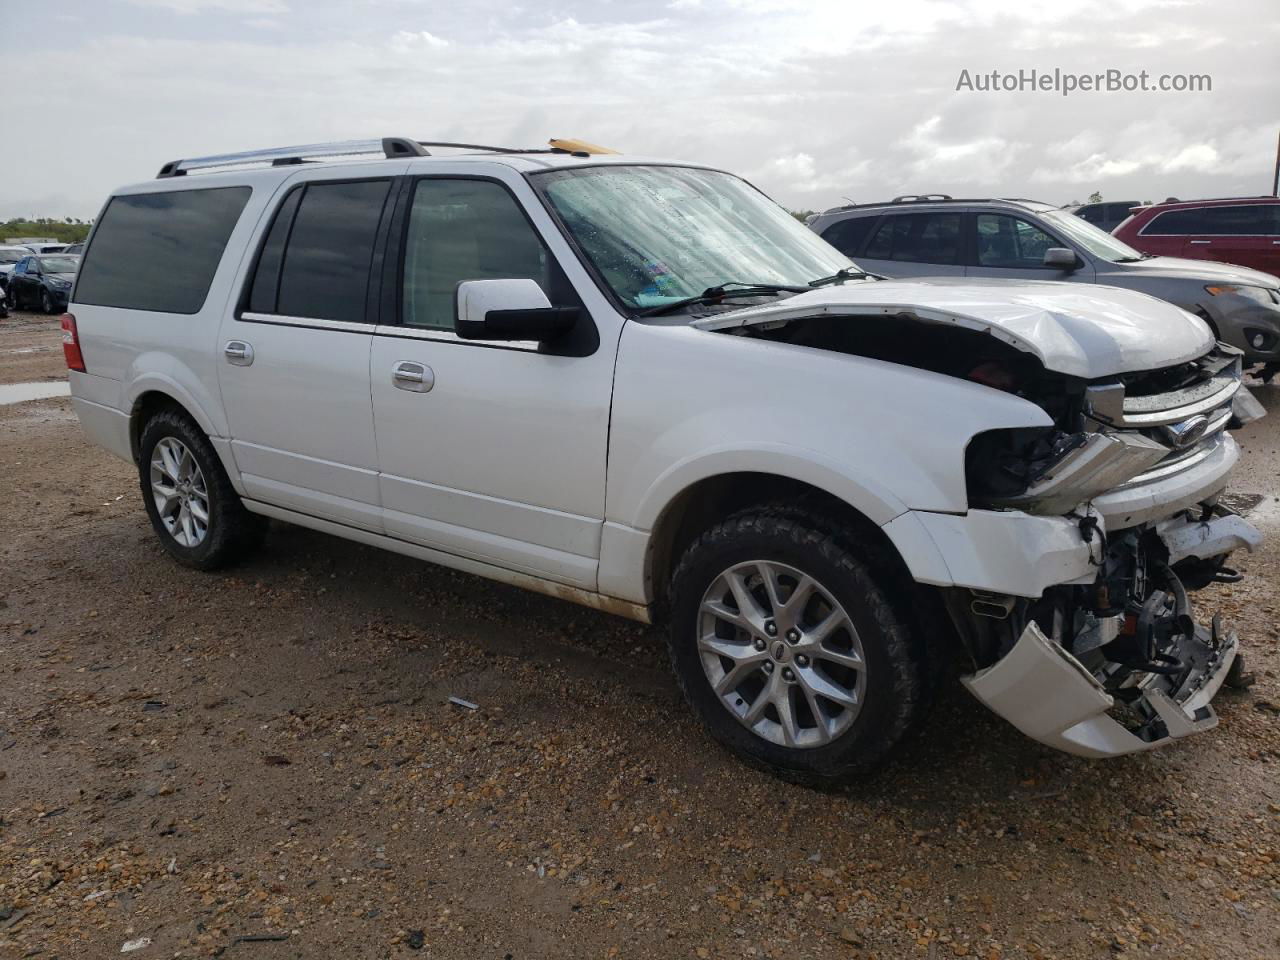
934 235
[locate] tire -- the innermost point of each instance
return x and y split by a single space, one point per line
889 690
228 532
46 305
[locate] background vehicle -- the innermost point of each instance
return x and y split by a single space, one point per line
1023 239
638 385
1106 215
1243 231
45 247
75 249
9 257
42 282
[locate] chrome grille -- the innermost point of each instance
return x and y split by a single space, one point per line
1189 419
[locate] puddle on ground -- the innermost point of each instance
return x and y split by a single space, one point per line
41 390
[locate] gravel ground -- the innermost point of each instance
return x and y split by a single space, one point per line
263 763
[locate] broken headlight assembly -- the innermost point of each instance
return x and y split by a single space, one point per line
1049 471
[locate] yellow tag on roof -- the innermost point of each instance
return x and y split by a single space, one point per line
578 146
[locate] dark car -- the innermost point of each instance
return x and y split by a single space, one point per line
1244 230
43 282
1106 215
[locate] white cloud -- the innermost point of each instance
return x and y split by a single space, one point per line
813 102
405 41
232 6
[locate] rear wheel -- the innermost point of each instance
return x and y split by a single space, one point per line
193 508
790 650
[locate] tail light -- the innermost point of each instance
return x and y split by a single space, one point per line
71 344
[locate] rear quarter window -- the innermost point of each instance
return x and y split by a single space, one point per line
159 251
849 235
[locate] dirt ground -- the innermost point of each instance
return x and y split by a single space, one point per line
264 763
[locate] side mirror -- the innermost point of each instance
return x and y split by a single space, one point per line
508 310
1061 258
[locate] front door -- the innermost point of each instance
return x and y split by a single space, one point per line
294 355
491 451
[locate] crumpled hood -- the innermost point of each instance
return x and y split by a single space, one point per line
1081 330
1206 271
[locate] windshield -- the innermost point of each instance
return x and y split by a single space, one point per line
1097 242
659 234
58 264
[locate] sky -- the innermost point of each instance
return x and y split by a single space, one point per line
814 102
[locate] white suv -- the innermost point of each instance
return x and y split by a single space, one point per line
644 387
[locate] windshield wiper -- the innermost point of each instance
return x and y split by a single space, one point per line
843 274
718 293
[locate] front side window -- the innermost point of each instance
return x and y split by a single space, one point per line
465 230
656 234
1010 242
159 251
917 238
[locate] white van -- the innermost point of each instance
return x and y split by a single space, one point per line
644 387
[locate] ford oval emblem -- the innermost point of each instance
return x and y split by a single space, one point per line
1189 431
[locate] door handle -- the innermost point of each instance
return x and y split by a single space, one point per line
1201 241
418 377
238 352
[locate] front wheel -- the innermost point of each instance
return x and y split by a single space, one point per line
46 305
193 508
790 650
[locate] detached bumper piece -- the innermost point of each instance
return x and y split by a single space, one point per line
1050 696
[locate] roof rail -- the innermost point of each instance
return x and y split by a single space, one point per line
392 148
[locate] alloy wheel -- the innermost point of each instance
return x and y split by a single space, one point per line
180 493
781 653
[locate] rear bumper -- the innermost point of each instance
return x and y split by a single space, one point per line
105 426
1048 694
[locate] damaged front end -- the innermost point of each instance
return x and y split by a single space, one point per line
1118 664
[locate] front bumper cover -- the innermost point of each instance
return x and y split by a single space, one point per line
1048 694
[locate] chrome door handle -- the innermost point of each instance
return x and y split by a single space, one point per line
418 377
1200 241
238 352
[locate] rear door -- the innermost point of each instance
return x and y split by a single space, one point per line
293 360
490 451
924 244
1244 235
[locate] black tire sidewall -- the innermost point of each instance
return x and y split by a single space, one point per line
208 553
892 687
46 303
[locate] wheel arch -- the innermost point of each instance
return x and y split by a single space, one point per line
713 498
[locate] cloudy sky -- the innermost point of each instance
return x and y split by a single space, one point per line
813 101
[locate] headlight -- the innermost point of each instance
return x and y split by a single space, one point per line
1256 294
60 284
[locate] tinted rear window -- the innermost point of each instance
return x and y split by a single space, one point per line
1252 220
159 251
325 274
847 236
917 238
